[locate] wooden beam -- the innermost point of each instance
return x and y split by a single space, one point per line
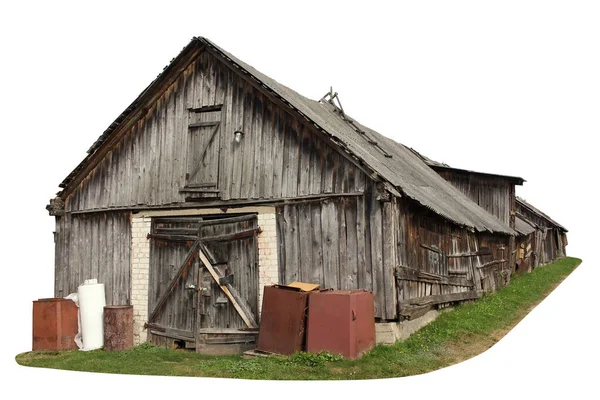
411 274
235 302
222 204
488 264
217 107
439 299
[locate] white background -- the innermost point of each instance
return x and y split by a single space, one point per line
509 87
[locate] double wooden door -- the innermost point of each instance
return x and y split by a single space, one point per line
203 276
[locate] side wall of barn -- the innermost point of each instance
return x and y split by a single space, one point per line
439 262
342 243
550 241
93 246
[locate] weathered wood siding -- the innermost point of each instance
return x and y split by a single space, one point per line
341 243
495 195
279 156
93 246
438 260
549 241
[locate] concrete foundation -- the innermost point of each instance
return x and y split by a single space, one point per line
391 332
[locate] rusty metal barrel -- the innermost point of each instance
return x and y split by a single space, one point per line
118 328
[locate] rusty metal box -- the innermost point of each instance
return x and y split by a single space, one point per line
341 322
283 318
54 324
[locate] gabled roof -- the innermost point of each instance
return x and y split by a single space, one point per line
540 213
390 160
439 166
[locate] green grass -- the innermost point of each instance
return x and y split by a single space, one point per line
456 335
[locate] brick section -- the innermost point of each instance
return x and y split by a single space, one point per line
140 268
268 268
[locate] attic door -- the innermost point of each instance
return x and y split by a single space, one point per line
204 138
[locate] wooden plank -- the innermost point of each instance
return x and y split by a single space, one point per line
389 259
236 304
361 251
305 243
291 242
203 124
343 273
216 107
247 143
257 168
277 152
438 299
490 263
376 235
352 242
411 274
316 275
329 242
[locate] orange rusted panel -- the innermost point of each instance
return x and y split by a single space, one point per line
341 322
54 324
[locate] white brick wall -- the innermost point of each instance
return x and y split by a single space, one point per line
268 270
140 268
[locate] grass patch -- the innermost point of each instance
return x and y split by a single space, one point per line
454 336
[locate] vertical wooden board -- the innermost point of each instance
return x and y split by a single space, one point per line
227 129
362 248
291 241
389 259
268 135
152 155
316 149
293 148
248 142
340 176
237 153
317 271
305 242
257 166
170 155
277 152
376 235
343 274
328 172
199 78
352 243
280 233
330 238
305 160
286 132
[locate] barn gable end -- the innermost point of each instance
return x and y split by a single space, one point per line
192 126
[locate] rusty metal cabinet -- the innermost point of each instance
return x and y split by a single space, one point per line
54 324
341 322
282 320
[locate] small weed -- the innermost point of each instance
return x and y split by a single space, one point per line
313 359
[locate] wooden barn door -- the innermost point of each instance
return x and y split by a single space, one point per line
203 276
204 137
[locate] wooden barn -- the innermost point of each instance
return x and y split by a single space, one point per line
493 192
540 238
217 180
